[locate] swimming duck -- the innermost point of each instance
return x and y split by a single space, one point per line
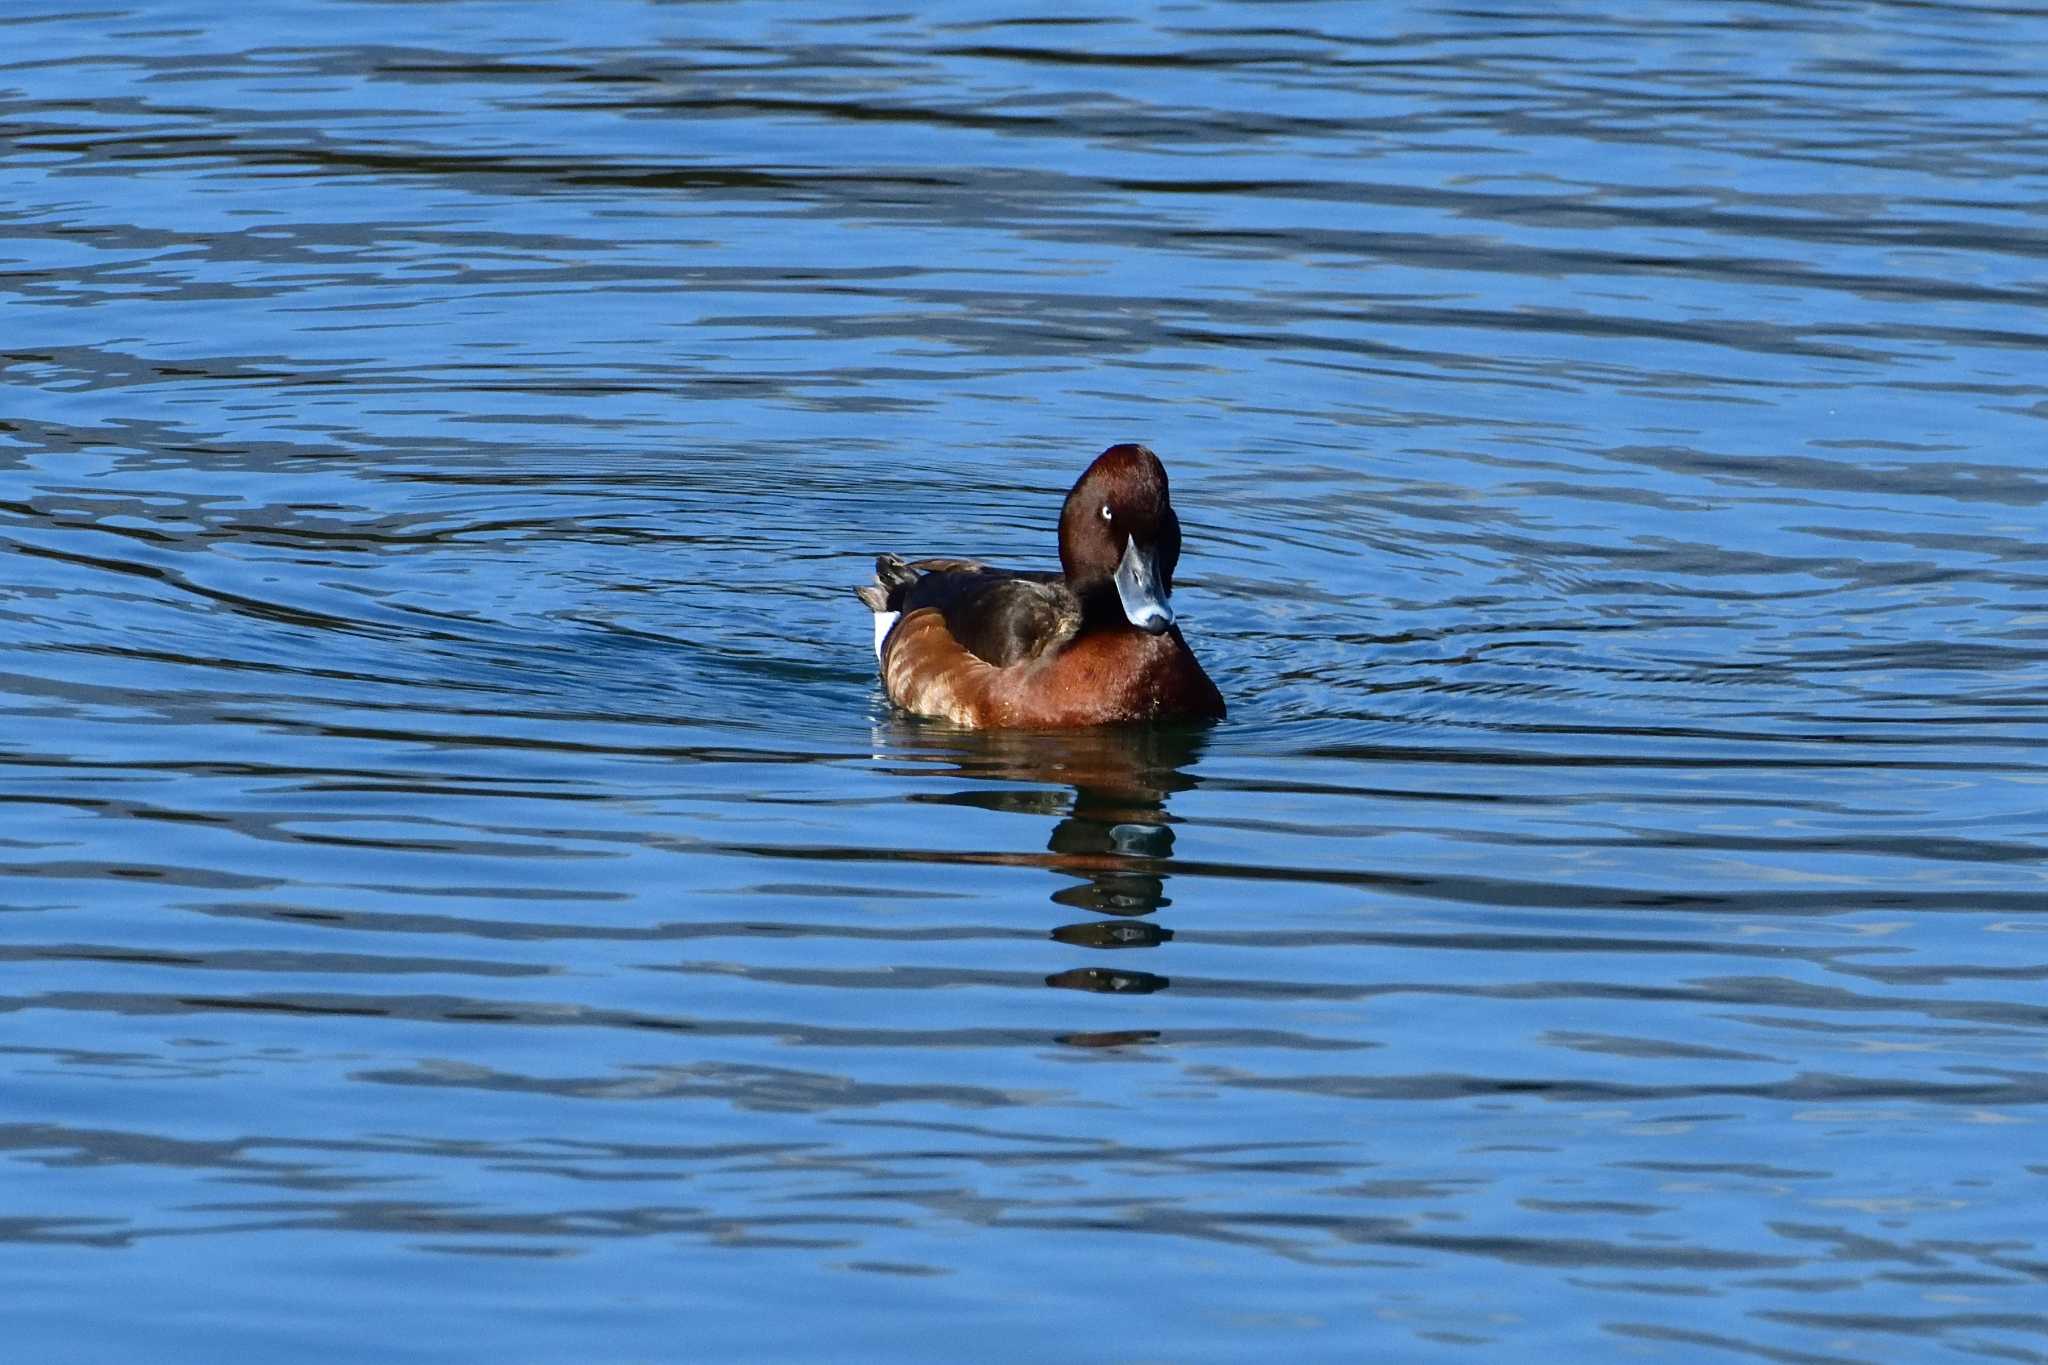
1095 644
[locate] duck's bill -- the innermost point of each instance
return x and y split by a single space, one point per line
1137 587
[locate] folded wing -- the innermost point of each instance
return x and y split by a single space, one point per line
1001 617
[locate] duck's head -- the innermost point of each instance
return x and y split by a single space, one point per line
1119 539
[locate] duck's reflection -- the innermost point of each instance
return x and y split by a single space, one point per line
1113 841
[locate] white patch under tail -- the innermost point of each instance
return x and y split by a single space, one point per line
883 621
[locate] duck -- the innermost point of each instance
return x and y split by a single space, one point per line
1095 644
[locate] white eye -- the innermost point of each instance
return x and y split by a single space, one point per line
1105 511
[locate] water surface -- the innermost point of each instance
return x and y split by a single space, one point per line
463 884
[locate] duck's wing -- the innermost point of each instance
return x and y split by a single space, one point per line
1007 619
999 616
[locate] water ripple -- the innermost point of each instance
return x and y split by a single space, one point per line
450 810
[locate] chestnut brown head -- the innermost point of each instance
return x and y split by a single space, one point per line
1119 539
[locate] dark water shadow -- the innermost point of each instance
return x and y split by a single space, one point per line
1112 844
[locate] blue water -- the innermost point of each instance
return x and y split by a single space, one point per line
466 896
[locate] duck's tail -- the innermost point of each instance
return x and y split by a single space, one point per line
892 575
884 596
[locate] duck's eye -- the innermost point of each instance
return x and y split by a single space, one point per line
1105 511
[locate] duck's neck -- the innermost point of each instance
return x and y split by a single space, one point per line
1100 606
